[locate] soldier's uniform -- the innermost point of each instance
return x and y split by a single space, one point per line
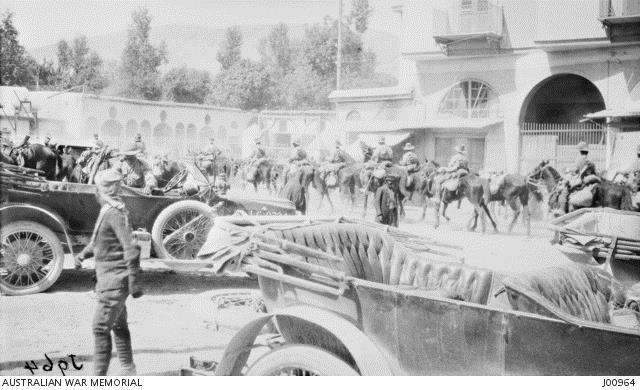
117 264
382 152
409 158
335 162
458 166
5 141
258 153
576 190
386 203
221 184
211 154
136 173
142 148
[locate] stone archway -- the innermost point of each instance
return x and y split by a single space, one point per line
550 122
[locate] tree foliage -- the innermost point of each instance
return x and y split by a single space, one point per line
141 60
246 85
276 51
186 85
78 65
16 67
230 52
359 16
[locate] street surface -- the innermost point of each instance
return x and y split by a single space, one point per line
167 325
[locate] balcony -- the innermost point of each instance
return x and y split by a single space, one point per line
478 25
621 19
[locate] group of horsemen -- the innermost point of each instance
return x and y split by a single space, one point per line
133 164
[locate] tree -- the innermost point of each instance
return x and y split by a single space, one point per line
78 65
230 50
16 67
246 85
303 89
276 51
139 71
186 85
359 15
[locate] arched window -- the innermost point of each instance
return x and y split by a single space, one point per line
132 128
470 99
179 133
353 116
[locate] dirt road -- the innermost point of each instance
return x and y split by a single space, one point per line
165 327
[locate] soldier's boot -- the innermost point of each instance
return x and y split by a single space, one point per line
102 353
122 338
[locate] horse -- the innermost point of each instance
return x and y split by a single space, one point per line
473 188
511 189
605 193
40 157
372 183
420 185
259 174
346 180
67 166
304 173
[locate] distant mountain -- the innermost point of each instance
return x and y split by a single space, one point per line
196 46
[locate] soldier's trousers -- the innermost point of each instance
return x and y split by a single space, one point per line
111 316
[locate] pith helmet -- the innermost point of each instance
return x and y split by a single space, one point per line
381 139
583 147
460 149
408 146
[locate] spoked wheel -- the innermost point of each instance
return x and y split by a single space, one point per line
300 360
181 229
32 258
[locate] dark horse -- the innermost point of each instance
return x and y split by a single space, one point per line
346 181
511 189
605 194
259 174
473 188
38 156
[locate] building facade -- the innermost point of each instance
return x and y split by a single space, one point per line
512 80
168 128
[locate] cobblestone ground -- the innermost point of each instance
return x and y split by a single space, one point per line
166 326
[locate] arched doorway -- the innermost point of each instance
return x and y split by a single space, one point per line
550 126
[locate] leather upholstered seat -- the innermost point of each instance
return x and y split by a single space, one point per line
371 255
574 290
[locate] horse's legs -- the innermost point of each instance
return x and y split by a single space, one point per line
255 186
493 223
436 209
444 211
364 207
459 203
473 218
516 214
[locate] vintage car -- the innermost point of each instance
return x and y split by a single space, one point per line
41 220
346 298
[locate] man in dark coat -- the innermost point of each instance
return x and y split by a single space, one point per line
294 191
117 264
386 203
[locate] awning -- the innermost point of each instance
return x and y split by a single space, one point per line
371 139
632 110
433 123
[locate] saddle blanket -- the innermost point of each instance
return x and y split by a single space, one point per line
495 183
582 198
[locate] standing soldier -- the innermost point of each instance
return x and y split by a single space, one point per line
382 152
117 264
386 202
211 155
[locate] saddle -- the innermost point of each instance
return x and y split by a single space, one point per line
451 185
582 197
496 183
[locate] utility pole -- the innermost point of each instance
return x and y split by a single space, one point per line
339 54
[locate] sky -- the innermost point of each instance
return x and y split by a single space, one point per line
45 22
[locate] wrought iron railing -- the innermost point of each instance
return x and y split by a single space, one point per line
460 21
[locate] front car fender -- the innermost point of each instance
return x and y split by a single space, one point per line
368 359
49 218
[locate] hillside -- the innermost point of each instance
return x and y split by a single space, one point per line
196 46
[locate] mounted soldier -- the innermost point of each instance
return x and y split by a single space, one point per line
580 180
382 152
221 184
210 158
258 154
335 162
410 161
458 167
297 159
136 172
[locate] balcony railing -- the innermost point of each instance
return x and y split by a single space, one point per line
619 9
456 23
